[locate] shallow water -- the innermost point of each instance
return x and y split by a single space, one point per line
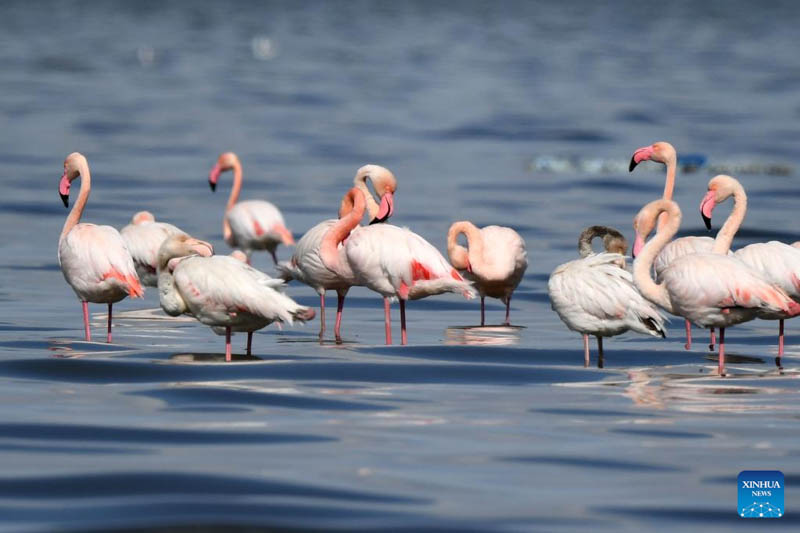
467 428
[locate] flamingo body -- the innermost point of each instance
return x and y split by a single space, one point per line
256 225
307 266
143 241
776 262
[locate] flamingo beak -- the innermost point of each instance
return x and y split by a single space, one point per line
638 244
469 266
706 207
63 189
386 208
642 154
201 248
213 176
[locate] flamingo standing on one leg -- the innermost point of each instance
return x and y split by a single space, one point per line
143 237
494 261
391 261
306 264
709 289
251 224
94 259
595 295
221 291
664 152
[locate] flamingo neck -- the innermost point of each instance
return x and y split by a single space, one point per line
460 257
643 265
338 232
669 186
725 235
77 209
232 199
372 206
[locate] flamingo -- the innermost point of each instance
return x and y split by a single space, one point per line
494 261
94 259
797 244
251 224
776 262
664 152
143 237
392 261
595 295
221 291
709 289
306 264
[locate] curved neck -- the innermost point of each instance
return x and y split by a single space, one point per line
77 210
669 187
610 237
725 235
460 257
338 232
372 206
643 265
232 199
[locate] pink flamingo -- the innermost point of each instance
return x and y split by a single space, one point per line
306 264
495 260
391 261
251 224
94 259
709 289
221 291
664 152
595 295
143 237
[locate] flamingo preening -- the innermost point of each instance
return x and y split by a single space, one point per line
250 224
494 260
595 295
94 259
143 237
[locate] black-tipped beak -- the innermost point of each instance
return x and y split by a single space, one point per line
377 220
212 185
632 165
706 220
663 335
65 199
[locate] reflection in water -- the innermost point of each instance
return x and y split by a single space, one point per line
482 335
210 358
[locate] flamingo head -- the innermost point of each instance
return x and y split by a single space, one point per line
720 188
385 185
72 169
179 246
225 161
661 152
142 217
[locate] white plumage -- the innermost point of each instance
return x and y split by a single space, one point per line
256 225
143 237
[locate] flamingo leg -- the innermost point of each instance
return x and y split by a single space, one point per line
337 329
86 327
482 311
388 321
721 351
713 340
249 341
321 316
274 257
228 343
599 351
688 344
508 310
585 350
403 336
780 338
108 336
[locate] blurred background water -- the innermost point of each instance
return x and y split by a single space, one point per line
515 113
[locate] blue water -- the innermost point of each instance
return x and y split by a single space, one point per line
493 429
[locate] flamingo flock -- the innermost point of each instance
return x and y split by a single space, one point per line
696 278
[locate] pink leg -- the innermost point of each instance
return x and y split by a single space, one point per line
688 344
508 310
249 341
86 327
321 316
403 337
337 329
780 338
108 338
388 321
713 340
228 343
585 350
721 351
482 311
